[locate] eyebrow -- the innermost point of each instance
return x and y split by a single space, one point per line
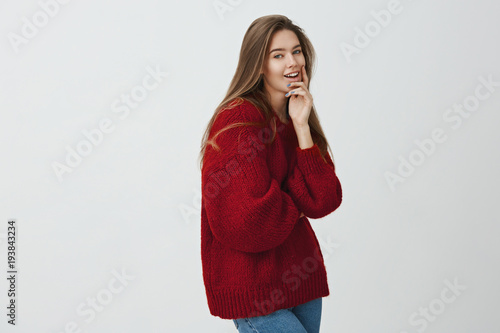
298 45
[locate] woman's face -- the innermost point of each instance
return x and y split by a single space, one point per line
284 57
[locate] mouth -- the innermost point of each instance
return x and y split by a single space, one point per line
292 76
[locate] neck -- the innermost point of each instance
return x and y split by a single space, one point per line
278 103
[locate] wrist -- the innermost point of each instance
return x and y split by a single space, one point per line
302 129
304 137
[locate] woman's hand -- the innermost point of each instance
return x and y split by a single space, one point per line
300 104
301 214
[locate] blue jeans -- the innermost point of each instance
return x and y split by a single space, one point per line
303 318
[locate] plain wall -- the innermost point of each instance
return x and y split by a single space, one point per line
417 215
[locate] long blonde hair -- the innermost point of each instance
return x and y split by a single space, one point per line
248 84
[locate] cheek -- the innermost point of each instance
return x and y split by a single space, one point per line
276 70
302 60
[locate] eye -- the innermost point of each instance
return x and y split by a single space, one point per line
294 52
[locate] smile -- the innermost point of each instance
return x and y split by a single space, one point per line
295 74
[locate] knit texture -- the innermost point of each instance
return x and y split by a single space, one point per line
257 255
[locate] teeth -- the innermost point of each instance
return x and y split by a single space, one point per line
292 75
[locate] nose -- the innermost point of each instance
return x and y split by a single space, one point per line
291 61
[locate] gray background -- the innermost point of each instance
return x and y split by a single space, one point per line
133 203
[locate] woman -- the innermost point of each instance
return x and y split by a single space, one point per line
265 170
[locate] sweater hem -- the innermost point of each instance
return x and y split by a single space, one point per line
234 303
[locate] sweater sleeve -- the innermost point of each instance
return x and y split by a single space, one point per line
246 208
313 184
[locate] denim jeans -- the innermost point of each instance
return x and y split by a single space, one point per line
303 318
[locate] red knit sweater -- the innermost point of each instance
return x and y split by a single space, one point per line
257 255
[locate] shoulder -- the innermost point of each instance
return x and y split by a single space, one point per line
239 110
239 120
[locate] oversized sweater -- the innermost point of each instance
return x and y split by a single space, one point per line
257 255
